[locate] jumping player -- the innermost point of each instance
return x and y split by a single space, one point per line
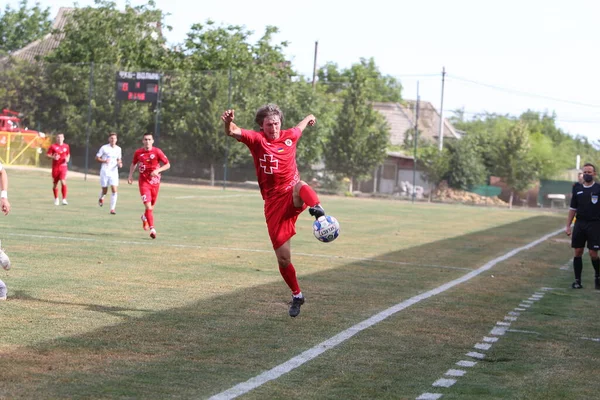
147 160
284 194
110 157
60 153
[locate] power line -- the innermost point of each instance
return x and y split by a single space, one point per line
521 93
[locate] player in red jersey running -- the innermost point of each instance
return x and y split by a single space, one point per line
147 160
60 153
285 195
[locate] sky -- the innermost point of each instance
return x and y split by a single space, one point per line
500 57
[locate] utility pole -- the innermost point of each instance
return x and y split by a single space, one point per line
416 138
314 81
441 130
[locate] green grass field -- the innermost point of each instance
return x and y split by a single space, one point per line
98 310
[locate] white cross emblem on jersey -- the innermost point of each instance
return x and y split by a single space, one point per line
268 164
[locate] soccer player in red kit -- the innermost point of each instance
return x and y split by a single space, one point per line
285 195
60 153
147 160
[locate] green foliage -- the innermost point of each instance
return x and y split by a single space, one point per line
467 168
379 88
361 136
131 39
515 164
19 27
435 164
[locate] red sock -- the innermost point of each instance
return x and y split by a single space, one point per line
55 191
149 218
289 276
309 196
63 189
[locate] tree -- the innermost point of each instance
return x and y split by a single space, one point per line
361 137
515 165
435 165
380 88
466 165
19 27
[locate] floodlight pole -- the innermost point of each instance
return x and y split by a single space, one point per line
314 80
441 130
89 121
157 116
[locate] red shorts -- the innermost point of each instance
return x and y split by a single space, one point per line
59 173
149 193
281 216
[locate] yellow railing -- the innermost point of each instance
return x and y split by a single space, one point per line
18 148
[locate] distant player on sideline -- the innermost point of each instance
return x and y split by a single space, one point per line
585 204
60 153
110 157
147 160
5 207
285 195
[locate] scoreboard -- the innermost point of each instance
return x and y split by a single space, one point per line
138 86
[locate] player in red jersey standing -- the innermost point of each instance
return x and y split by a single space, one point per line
60 153
285 195
147 160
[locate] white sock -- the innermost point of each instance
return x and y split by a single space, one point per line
113 201
299 295
3 290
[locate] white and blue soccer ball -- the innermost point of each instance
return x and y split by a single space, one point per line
326 229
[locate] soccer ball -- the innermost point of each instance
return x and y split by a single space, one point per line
326 228
4 260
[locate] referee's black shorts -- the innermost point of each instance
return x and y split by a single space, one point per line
586 232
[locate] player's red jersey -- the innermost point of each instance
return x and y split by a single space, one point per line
63 150
275 161
147 161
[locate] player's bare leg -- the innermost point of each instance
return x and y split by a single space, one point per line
288 272
103 192
113 199
63 189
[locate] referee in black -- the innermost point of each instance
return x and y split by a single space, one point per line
585 205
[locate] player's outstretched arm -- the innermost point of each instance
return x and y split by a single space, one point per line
309 120
132 168
231 129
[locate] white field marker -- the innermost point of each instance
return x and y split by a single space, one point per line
482 346
475 354
429 396
490 339
455 372
465 363
443 382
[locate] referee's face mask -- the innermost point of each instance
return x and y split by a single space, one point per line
588 177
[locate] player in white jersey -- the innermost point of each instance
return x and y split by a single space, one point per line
111 158
5 208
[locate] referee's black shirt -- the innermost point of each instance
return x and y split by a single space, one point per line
586 200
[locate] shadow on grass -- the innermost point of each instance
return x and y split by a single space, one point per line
211 345
21 295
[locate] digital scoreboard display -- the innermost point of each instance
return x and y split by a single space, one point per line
138 86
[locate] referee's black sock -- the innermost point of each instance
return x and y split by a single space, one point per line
577 267
596 264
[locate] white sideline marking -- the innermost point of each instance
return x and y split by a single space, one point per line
525 305
537 296
534 298
511 319
483 346
429 396
490 339
465 363
455 372
514 313
521 331
502 323
527 302
592 339
295 362
475 354
520 309
443 382
498 331
188 246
